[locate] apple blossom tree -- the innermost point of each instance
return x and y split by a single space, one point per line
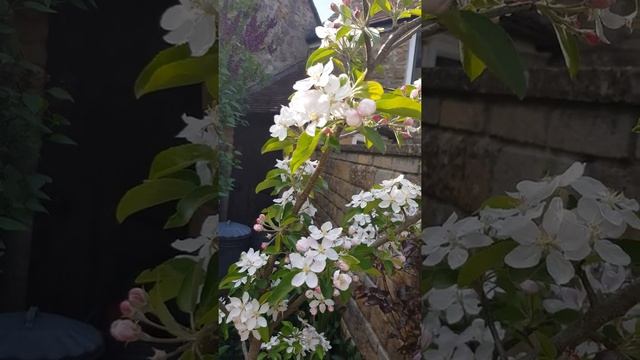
274 298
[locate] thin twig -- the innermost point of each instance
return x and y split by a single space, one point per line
591 294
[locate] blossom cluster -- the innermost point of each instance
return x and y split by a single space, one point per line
191 22
247 315
558 227
297 342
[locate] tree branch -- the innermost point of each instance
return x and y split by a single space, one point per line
611 308
406 225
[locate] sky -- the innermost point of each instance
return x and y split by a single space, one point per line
323 8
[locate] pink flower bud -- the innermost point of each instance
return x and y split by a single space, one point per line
530 287
261 219
308 294
330 308
327 131
336 292
126 309
343 265
125 330
366 107
436 7
415 93
318 290
258 228
138 298
353 118
334 8
591 38
346 3
376 118
264 245
409 122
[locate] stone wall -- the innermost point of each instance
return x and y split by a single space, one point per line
479 140
354 169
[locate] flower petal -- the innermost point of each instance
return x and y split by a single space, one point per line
299 279
611 253
559 268
457 257
524 256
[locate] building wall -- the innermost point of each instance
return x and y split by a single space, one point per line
354 169
479 141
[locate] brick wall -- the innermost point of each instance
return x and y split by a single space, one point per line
347 173
478 140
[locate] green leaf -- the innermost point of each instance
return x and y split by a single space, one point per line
188 294
189 204
372 90
546 346
264 333
281 291
274 144
179 157
61 139
34 5
9 224
319 55
491 44
60 94
176 67
304 149
486 259
159 309
500 202
373 138
471 64
569 47
209 297
399 105
152 193
267 183
33 102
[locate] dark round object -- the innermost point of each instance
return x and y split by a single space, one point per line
41 336
234 238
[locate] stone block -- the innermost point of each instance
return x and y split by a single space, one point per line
638 147
382 175
590 129
464 114
514 163
457 167
406 165
431 110
436 212
524 122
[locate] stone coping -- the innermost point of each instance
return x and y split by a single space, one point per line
412 150
601 84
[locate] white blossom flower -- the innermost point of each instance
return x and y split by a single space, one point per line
251 261
453 239
280 308
606 278
193 22
341 281
630 319
327 32
318 302
565 298
326 231
361 199
606 18
282 122
318 76
613 205
246 314
560 238
309 267
454 302
199 131
273 342
313 108
337 89
601 231
323 250
201 244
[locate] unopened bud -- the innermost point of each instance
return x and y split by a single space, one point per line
138 298
126 309
591 38
353 118
334 8
346 3
125 330
409 122
258 228
366 107
530 287
264 245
